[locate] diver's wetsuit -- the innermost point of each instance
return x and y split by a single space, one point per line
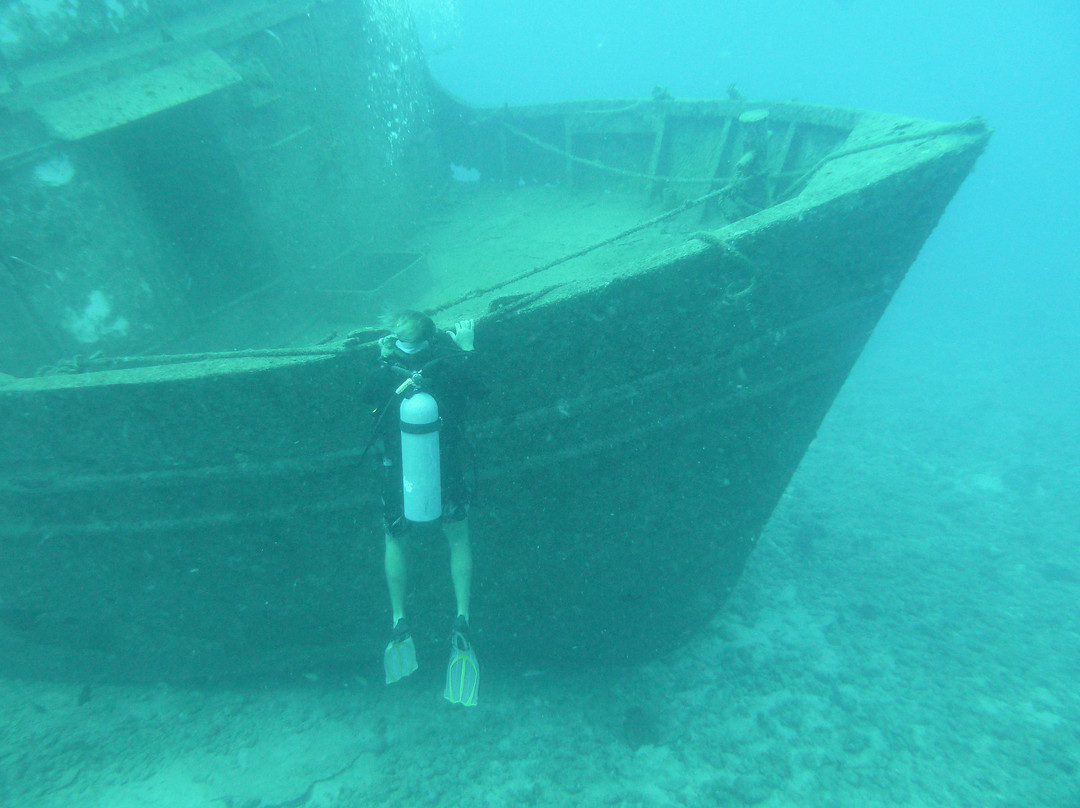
448 376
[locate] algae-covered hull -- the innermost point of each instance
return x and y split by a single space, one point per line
669 295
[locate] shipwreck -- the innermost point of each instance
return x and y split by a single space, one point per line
204 211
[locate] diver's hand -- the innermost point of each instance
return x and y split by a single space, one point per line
463 335
386 346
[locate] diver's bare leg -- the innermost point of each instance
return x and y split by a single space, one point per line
396 576
457 536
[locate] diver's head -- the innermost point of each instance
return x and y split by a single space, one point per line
414 331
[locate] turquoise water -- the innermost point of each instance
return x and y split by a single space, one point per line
907 631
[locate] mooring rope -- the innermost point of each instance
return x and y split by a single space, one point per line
685 206
964 126
622 172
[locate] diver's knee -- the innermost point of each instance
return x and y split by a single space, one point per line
456 532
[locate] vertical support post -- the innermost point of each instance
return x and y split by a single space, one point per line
776 165
568 147
715 167
754 162
755 125
657 186
504 158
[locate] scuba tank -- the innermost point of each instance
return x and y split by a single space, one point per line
421 472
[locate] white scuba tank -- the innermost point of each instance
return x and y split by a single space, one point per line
421 473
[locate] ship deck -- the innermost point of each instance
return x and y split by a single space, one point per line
483 236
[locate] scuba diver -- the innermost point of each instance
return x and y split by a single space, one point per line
420 389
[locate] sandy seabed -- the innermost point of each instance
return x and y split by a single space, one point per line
906 634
